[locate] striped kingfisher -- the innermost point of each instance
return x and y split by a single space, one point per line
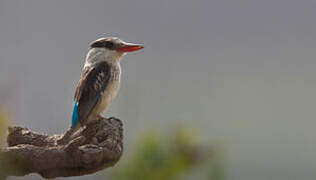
100 80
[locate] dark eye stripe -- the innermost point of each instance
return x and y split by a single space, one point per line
109 45
103 44
97 44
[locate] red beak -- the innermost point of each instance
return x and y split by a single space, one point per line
129 47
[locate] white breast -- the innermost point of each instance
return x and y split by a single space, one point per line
111 91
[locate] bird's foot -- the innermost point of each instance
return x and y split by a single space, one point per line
99 117
95 120
65 138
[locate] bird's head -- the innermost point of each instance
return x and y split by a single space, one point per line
113 48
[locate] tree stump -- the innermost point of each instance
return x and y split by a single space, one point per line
97 146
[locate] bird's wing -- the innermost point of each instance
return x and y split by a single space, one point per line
93 82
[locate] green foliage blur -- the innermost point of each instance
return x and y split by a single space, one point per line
4 120
176 155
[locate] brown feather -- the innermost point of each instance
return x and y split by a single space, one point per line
92 83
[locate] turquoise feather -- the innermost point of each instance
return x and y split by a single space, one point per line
75 115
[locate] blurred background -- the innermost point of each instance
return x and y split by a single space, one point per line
239 75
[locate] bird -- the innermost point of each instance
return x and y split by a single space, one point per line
100 80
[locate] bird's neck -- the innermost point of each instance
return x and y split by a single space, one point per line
96 55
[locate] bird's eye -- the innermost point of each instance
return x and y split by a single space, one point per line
109 44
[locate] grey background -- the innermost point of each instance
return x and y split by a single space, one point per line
240 72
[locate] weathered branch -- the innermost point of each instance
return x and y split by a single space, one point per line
98 146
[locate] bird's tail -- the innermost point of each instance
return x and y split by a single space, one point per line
75 115
75 126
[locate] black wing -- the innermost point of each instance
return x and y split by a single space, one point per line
93 82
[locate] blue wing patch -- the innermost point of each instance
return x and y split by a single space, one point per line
75 115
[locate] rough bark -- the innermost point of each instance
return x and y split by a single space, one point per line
99 145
